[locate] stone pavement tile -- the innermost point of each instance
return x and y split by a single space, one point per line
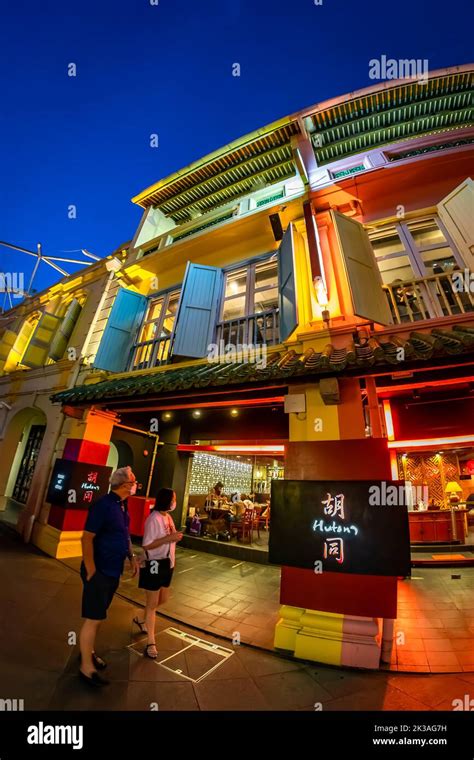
192 602
144 669
210 598
431 690
234 694
33 685
463 645
468 678
15 618
73 694
466 658
436 659
460 633
232 668
413 645
261 621
342 683
412 658
429 633
167 696
225 626
35 652
264 640
387 698
455 669
52 572
262 664
438 645
202 619
291 690
215 609
247 632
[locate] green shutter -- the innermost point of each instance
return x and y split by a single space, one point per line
64 332
38 347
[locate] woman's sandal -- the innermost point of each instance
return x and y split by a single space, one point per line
151 656
140 625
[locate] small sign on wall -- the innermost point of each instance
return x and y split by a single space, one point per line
77 484
295 402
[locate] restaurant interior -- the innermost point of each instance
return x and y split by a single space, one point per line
228 496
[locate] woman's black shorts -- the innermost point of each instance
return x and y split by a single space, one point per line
154 576
97 594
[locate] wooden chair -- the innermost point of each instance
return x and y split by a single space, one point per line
257 519
243 529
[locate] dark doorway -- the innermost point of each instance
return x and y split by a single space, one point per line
28 463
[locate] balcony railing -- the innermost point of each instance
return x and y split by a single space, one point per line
427 298
150 353
256 329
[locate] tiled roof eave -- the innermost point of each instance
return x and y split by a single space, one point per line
372 355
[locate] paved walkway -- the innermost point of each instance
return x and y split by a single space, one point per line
40 617
434 630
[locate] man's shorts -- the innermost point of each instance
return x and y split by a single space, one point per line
97 594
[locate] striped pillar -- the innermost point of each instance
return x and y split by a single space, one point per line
331 617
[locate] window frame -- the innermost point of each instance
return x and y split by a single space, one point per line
166 296
411 249
250 265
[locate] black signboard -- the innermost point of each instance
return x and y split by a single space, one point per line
340 526
76 484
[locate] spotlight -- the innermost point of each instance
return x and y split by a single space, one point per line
197 413
167 416
234 412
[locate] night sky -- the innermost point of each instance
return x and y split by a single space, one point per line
167 69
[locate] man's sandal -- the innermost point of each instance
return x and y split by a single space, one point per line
99 663
146 653
94 679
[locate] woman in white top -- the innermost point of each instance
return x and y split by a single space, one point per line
159 542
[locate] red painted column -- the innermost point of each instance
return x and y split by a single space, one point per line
90 444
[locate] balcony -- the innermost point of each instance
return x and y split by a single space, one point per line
151 353
256 329
427 298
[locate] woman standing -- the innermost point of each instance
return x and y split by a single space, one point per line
159 542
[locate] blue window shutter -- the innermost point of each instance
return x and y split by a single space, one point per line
196 318
120 332
287 285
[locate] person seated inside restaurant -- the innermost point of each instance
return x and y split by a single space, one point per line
215 496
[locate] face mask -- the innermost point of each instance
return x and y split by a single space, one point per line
133 489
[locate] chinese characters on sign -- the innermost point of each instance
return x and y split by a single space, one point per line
334 547
85 481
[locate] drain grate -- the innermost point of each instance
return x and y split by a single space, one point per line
190 657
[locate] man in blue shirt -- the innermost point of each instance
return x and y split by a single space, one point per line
105 544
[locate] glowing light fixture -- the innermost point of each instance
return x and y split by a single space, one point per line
428 442
197 413
388 420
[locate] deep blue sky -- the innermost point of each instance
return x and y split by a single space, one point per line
143 69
